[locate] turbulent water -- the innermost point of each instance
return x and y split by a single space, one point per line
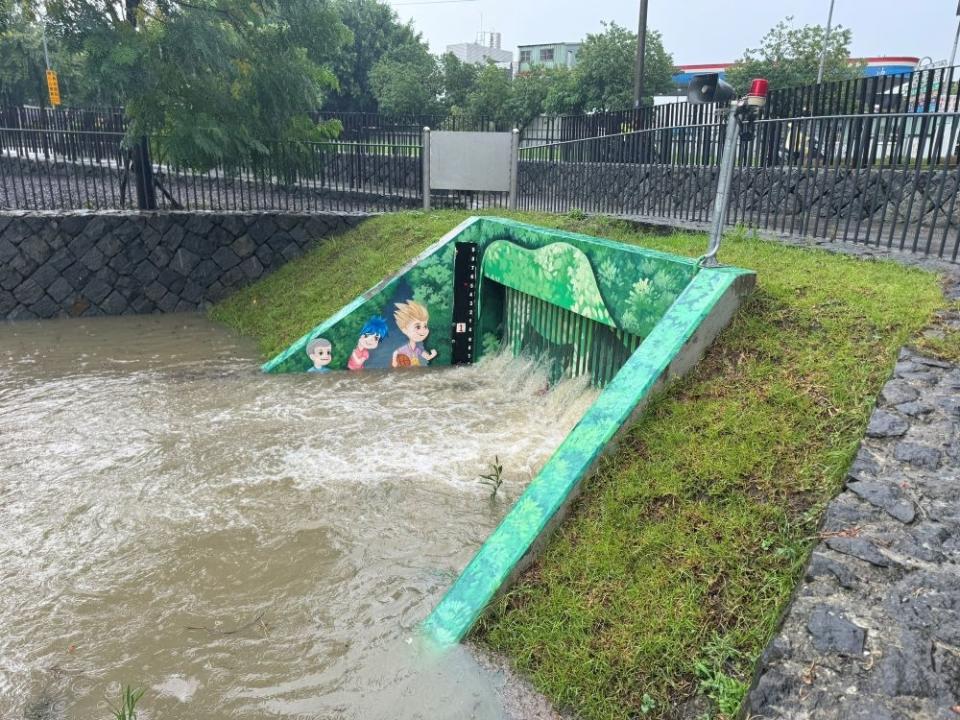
242 545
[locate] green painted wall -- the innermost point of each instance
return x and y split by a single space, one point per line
625 287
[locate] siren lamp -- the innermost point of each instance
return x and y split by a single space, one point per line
757 97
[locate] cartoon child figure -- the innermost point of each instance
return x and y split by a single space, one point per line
371 334
320 351
412 319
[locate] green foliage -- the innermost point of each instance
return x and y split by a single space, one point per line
605 68
214 80
517 102
527 96
563 95
376 34
407 81
459 80
647 704
489 96
22 64
725 691
494 478
127 709
789 56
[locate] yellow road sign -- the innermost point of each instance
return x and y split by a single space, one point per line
53 87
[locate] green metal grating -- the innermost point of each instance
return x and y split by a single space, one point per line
570 344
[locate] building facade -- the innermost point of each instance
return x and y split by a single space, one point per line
547 56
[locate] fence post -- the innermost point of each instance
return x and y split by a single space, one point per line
143 176
425 157
514 167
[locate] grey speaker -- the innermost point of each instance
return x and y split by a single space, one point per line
709 88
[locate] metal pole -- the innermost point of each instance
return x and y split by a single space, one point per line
641 51
514 167
425 150
953 53
826 41
719 220
46 55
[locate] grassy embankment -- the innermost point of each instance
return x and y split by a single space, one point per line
667 579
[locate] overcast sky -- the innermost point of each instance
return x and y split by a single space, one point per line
694 31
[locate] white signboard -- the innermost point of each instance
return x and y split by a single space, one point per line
470 161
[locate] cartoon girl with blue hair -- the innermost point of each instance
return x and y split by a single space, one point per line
371 334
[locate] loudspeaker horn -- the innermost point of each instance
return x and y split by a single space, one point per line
709 88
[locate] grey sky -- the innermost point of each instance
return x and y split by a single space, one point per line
695 31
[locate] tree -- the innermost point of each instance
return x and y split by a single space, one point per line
605 66
407 81
489 98
563 95
528 93
459 80
376 32
789 56
211 80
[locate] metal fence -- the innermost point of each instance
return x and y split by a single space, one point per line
300 177
873 160
889 180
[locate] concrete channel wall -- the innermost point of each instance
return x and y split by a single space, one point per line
55 264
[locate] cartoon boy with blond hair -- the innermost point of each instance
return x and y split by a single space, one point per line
412 318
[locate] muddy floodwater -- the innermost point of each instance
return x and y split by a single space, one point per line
243 545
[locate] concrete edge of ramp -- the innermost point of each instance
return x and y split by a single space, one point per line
674 346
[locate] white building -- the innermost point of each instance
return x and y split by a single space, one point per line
483 52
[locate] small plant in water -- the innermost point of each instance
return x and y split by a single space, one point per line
495 477
129 697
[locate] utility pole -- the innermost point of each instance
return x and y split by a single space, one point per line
641 51
953 53
826 42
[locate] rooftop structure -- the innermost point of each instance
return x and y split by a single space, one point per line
547 56
487 49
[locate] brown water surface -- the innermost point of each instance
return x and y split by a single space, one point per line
243 545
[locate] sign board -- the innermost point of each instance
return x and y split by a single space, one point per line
53 87
470 161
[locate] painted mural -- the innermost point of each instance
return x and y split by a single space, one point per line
406 321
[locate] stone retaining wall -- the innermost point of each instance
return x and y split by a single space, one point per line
115 263
815 201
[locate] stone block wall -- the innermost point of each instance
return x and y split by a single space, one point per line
875 204
115 263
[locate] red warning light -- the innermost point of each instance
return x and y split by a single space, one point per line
759 87
758 92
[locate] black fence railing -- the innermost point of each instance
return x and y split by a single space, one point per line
299 177
891 181
923 90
